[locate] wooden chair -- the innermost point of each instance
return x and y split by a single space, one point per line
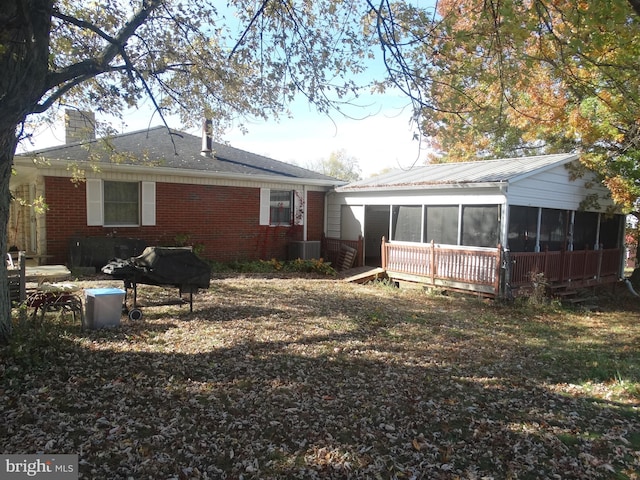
16 267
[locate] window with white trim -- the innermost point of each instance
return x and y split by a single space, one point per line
406 223
277 207
280 202
120 204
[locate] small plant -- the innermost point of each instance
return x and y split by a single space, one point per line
310 266
274 265
184 240
385 283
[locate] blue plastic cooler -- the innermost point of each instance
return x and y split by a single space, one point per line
103 307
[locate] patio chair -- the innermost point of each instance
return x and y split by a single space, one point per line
62 298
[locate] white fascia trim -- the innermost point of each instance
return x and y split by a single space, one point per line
185 173
430 186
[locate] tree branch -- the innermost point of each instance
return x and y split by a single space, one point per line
246 30
95 66
82 24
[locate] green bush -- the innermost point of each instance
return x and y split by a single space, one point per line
270 266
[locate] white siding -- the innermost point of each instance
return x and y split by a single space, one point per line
554 189
449 196
351 222
333 215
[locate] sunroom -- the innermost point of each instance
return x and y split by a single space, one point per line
488 226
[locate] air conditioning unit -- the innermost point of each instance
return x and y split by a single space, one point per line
304 250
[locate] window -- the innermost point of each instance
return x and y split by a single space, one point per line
407 223
611 230
554 229
280 202
523 228
281 207
480 225
441 224
585 230
111 203
121 203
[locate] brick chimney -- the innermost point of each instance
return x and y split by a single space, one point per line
79 126
207 138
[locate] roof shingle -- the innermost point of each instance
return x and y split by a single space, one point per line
158 146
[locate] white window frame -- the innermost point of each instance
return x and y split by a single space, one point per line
297 204
95 203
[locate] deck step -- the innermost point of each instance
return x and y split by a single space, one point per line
363 274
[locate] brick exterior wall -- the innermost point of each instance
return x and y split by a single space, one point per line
223 221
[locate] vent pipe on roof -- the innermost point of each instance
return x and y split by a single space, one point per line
79 126
207 140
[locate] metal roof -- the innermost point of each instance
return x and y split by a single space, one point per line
172 149
503 170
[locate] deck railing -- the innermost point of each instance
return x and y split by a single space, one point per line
580 266
483 269
464 268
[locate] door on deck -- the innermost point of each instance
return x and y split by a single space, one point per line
376 226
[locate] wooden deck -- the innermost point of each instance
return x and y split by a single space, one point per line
493 272
444 266
580 267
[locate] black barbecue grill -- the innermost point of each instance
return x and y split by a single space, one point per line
176 267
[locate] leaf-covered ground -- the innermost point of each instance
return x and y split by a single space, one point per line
312 378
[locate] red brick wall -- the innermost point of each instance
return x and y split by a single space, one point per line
223 220
315 215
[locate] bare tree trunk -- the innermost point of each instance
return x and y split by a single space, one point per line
24 55
8 144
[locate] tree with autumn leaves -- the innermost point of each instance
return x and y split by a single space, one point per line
499 78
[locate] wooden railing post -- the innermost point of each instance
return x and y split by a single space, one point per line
383 253
433 263
496 281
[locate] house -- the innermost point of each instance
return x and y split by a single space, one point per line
485 226
113 196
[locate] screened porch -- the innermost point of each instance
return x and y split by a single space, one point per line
466 247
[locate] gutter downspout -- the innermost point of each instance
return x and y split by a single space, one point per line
304 213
